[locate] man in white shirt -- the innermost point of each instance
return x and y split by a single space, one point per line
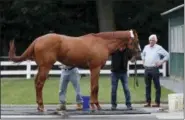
69 74
151 57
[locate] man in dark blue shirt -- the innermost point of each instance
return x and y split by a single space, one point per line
119 63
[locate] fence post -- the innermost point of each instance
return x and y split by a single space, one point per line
164 69
128 74
28 69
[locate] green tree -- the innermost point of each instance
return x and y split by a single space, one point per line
144 16
24 20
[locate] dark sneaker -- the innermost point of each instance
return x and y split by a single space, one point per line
113 107
129 107
147 105
61 107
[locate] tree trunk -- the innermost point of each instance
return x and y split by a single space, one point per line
105 15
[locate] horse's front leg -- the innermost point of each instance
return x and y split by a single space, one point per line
94 87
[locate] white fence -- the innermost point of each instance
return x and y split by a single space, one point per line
29 71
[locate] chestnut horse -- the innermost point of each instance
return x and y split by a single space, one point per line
89 51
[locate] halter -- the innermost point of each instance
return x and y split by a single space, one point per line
131 34
136 83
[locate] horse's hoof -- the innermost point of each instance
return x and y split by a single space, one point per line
92 107
98 106
92 111
40 109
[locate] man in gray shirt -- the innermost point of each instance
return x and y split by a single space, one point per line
69 74
151 57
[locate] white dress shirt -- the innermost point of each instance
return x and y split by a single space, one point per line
62 66
152 55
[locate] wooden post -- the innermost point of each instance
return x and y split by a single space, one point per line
184 67
28 69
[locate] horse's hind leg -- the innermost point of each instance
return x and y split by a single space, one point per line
94 87
39 83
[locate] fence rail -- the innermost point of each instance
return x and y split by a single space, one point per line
29 71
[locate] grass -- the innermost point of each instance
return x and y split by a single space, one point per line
22 91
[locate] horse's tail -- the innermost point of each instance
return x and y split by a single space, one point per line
28 54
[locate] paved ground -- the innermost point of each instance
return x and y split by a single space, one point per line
174 85
107 118
28 112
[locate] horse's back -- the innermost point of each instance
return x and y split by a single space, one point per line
70 50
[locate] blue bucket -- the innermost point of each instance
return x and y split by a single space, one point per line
86 102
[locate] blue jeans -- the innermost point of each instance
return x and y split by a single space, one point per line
73 76
114 82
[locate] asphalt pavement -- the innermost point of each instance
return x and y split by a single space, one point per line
29 112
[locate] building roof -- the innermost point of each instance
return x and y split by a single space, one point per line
172 10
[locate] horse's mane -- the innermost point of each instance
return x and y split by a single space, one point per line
113 35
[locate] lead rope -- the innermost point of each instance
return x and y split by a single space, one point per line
136 83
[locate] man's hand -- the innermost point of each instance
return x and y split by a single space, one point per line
159 63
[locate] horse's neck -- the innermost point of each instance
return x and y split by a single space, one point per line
113 35
114 40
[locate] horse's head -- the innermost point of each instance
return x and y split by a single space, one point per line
133 43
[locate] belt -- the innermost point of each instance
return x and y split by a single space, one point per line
69 68
154 67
